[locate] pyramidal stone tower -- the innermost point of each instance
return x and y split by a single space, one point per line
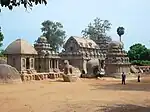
117 60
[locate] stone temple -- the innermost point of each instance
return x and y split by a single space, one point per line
47 60
116 61
82 53
21 55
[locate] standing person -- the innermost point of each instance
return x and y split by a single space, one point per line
123 78
139 77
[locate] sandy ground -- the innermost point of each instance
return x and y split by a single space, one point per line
85 95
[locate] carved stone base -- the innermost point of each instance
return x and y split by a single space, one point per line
70 78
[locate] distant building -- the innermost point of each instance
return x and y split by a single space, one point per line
82 53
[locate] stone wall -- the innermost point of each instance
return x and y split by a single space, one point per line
116 70
14 61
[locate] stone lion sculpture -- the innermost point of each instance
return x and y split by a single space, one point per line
68 75
67 68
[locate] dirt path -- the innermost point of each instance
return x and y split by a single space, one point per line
83 96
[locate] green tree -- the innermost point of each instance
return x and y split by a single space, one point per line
138 52
97 29
1 53
54 33
15 3
120 32
1 40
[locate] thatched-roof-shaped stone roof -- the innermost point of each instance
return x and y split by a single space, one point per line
20 46
83 42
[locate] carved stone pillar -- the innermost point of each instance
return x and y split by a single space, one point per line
47 65
54 63
57 64
51 64
84 65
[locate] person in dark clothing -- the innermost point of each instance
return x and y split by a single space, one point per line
123 78
139 78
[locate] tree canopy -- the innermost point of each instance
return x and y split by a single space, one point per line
26 3
97 29
1 40
138 54
120 31
54 33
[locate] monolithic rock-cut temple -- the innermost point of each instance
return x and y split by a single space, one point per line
78 51
116 61
47 60
82 53
21 55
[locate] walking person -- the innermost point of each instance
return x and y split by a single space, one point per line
123 78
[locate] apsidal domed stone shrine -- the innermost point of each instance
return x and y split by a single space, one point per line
117 60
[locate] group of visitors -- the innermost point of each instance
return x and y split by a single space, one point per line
124 78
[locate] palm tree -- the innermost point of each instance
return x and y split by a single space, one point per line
120 31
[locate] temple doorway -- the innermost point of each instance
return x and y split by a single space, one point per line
27 63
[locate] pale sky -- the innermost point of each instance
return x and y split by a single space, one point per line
75 15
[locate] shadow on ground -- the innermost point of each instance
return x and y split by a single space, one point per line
118 86
59 80
124 108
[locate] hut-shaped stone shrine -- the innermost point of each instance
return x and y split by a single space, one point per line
117 60
20 54
47 60
79 51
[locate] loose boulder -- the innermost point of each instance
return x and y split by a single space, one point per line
9 74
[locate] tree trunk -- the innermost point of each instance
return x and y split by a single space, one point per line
120 38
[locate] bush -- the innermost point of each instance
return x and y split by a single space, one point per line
141 62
